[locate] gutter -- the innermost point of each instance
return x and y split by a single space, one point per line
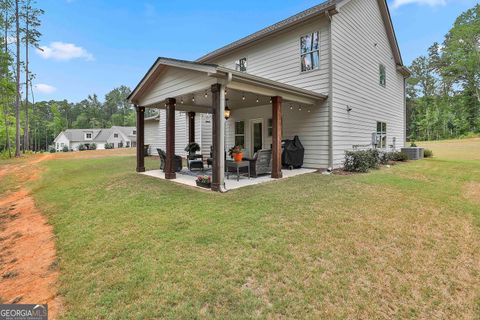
330 94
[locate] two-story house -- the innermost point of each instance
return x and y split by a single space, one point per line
332 75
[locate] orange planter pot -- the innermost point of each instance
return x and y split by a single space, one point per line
238 157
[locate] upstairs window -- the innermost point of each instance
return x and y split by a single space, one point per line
134 132
381 135
309 52
383 76
88 136
241 65
115 135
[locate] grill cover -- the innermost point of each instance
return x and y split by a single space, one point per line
293 153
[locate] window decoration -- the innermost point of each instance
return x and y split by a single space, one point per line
309 52
381 135
240 133
383 76
241 65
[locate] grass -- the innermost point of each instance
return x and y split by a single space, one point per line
396 243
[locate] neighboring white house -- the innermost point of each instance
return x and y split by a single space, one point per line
337 68
118 137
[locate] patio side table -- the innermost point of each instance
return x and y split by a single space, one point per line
237 166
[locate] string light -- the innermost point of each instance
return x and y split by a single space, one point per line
206 94
291 107
299 108
270 100
257 100
243 97
193 98
181 100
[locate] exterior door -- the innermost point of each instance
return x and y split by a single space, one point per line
257 136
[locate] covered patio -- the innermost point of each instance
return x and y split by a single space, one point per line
204 88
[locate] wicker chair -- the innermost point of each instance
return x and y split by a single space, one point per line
261 163
177 160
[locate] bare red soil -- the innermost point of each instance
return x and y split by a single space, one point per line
28 265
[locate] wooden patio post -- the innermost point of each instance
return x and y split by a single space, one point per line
218 137
170 139
140 138
191 127
277 137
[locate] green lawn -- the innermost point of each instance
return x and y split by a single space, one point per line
400 242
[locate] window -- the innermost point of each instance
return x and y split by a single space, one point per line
134 132
58 146
309 52
241 65
115 135
88 136
381 135
62 144
240 133
383 76
269 127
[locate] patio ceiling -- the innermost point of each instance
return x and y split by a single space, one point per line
189 83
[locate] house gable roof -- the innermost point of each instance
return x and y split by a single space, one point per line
327 6
213 70
331 7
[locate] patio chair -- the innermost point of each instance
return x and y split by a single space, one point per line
261 163
177 160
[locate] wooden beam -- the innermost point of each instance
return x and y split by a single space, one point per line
218 137
277 137
170 139
191 127
140 138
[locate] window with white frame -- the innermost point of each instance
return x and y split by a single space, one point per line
309 52
88 136
383 75
115 135
269 127
381 135
241 65
240 133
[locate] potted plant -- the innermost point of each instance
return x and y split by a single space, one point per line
204 181
236 153
192 148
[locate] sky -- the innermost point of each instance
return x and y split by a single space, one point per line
93 46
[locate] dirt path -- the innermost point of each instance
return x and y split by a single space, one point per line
28 264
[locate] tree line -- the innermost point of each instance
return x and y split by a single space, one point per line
30 125
443 92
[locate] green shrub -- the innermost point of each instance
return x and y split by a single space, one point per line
52 149
398 156
82 147
361 161
109 146
65 149
428 153
92 146
4 154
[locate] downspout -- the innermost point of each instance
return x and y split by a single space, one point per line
330 94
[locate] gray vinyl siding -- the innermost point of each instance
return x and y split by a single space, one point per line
176 82
311 127
356 60
278 58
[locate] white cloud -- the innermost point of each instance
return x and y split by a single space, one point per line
432 3
64 51
44 88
